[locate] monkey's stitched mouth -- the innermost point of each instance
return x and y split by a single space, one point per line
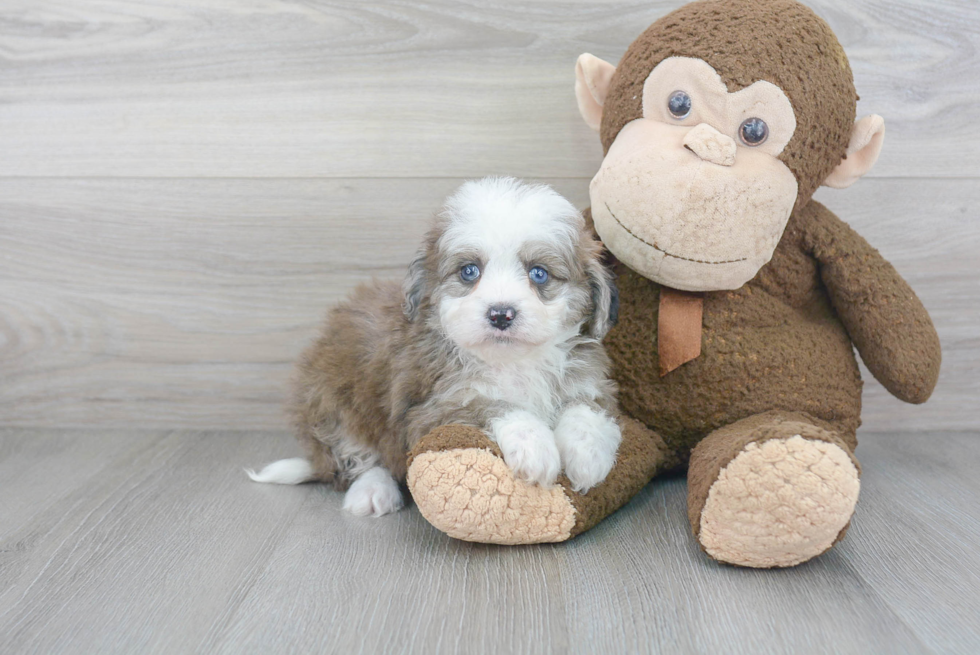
669 254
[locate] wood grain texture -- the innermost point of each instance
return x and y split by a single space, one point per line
284 88
147 555
182 303
138 290
919 515
164 546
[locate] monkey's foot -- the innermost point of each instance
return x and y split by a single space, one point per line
779 500
463 487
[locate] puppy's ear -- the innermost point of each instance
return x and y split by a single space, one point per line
417 284
605 298
414 286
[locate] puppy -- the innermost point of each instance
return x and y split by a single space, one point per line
497 325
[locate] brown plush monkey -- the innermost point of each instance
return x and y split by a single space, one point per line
741 297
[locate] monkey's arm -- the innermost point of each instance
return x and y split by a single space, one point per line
883 316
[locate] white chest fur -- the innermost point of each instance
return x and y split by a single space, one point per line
537 381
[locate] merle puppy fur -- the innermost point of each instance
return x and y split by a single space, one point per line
497 325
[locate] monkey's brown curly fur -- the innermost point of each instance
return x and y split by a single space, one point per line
779 351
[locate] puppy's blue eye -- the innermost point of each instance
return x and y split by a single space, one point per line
538 275
469 272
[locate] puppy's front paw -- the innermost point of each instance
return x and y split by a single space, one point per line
588 442
528 446
375 493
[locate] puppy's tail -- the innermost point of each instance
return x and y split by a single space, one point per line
286 471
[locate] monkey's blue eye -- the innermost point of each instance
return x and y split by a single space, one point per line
679 104
538 275
753 132
469 272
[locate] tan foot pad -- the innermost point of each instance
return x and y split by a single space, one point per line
470 494
779 503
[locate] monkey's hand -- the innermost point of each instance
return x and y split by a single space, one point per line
884 318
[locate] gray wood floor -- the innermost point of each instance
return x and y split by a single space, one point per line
155 542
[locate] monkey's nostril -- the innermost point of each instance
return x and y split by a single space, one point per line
501 317
710 145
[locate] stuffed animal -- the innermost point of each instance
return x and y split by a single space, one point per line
741 298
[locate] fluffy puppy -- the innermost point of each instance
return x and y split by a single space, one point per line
497 325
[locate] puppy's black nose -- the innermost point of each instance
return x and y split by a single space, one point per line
501 317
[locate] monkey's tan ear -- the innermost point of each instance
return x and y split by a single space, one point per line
592 77
867 138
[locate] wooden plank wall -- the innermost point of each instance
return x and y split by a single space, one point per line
186 184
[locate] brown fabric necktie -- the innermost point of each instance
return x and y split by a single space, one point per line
678 328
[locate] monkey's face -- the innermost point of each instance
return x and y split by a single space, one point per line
722 117
693 194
